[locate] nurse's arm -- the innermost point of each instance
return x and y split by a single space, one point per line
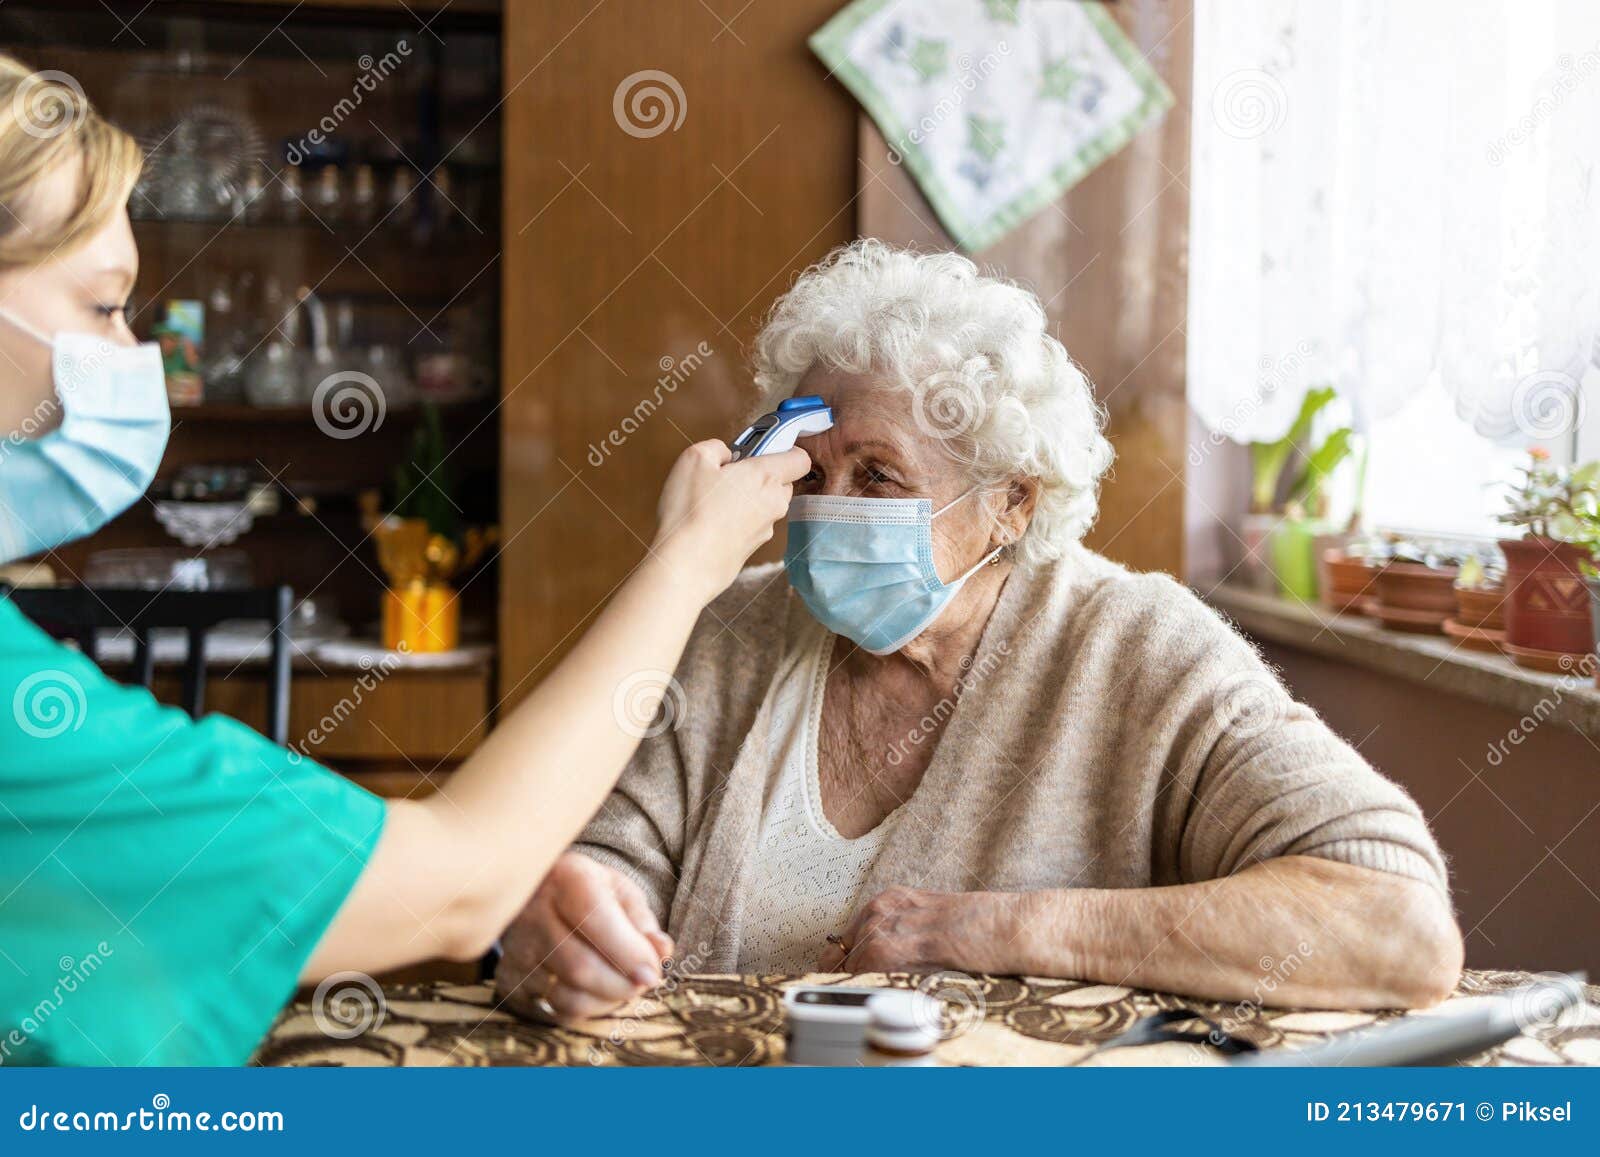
449 872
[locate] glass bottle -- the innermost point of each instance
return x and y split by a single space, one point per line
401 202
327 199
291 202
364 196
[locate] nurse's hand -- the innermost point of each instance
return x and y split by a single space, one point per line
714 513
587 942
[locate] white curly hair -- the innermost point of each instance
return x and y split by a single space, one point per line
985 377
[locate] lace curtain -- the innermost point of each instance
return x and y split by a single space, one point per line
1386 194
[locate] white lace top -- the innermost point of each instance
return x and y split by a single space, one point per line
805 877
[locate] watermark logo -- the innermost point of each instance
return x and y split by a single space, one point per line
373 73
49 703
347 404
968 76
47 104
674 372
929 725
649 703
73 973
1547 404
1249 103
347 1004
959 1003
1539 1005
1572 73
949 404
649 103
1248 703
371 677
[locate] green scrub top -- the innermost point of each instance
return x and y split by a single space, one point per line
162 881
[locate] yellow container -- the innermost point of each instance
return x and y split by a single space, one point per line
421 617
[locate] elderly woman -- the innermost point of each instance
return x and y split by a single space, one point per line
957 739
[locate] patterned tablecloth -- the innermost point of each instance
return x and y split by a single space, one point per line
732 1020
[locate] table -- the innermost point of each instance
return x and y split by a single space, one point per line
734 1020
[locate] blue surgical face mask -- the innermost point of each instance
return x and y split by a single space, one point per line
114 423
864 567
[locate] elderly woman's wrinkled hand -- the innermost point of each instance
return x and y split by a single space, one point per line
586 943
912 930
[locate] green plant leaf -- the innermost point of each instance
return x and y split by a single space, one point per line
1269 459
1320 463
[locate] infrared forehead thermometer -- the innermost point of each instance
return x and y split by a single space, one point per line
775 432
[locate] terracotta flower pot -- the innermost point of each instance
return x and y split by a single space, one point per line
1345 581
1413 597
1547 614
1481 607
1594 614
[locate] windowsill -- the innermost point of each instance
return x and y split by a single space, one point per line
1434 660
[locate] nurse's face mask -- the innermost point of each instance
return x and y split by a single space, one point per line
73 480
864 566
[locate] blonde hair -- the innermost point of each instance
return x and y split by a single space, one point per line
46 120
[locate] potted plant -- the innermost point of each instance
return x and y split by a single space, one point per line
1349 573
1590 567
1416 588
1548 624
1288 500
1480 619
1591 579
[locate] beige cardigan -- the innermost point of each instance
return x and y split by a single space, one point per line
1114 733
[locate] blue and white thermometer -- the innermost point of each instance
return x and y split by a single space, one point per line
774 433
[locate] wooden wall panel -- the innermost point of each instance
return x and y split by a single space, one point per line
1108 259
624 251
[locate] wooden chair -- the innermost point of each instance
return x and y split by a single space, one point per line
79 612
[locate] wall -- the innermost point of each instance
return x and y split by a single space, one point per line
1109 261
1521 829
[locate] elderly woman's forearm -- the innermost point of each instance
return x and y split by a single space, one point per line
1297 931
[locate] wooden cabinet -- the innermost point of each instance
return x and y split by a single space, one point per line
347 149
639 258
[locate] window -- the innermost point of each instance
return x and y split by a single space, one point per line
1399 200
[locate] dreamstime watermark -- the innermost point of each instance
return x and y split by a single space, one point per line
160 1117
674 372
49 703
951 403
347 404
1577 673
373 74
952 102
73 974
1274 974
47 104
371 678
1274 375
347 1004
649 703
1547 404
43 417
928 726
673 972
1572 73
648 103
1541 1004
1249 103
957 1000
1248 703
